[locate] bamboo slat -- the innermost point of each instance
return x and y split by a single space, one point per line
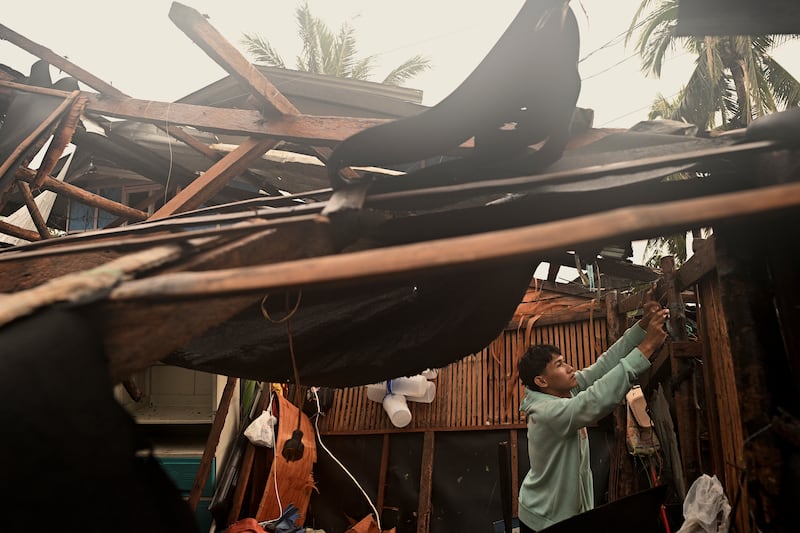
481 391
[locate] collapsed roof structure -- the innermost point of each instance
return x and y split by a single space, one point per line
372 252
273 241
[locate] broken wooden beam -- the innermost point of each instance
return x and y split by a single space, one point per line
307 129
58 61
204 35
215 178
439 255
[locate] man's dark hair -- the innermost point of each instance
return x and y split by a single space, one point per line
533 362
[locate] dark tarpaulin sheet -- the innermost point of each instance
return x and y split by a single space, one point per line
345 337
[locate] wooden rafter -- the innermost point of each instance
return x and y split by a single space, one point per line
312 129
19 233
61 138
51 184
215 178
477 249
96 83
33 209
31 140
204 35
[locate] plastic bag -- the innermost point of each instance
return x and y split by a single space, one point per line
706 509
261 431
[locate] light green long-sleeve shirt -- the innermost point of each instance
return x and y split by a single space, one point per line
559 483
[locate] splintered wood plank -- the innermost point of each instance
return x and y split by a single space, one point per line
215 178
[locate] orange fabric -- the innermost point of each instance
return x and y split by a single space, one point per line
295 480
246 525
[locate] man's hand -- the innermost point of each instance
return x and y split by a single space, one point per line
656 335
649 309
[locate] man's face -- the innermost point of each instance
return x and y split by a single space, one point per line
558 376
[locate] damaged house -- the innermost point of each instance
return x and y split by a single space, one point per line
172 270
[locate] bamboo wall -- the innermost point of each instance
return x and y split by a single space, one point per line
481 391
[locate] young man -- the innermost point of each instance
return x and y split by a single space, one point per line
560 403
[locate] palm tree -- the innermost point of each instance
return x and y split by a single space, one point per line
735 78
329 53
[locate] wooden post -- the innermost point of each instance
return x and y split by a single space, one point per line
247 460
722 399
382 474
621 474
682 375
211 444
514 444
755 340
425 484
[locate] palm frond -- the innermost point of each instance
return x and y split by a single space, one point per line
308 30
408 69
342 56
363 69
329 53
261 50
785 87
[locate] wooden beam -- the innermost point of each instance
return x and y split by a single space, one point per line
686 349
58 61
384 468
95 200
101 86
139 335
686 414
620 480
308 129
484 248
210 448
32 138
61 138
702 262
19 233
204 35
215 178
722 400
33 210
246 465
425 484
88 284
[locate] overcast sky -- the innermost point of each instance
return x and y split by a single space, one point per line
137 48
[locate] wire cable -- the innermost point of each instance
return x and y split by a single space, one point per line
319 438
